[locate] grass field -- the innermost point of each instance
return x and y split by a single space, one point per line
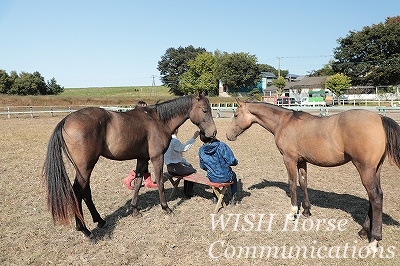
122 96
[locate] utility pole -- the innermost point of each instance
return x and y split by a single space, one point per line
153 85
279 66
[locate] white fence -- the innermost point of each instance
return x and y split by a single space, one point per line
219 110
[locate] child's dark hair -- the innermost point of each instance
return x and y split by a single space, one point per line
203 137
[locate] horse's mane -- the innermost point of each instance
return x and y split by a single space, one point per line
169 109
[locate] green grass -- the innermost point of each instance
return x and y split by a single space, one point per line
96 96
136 91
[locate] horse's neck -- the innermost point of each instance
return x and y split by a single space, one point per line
268 116
175 122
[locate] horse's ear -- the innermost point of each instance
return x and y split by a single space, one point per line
239 102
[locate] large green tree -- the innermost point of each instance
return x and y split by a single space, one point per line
174 63
326 70
371 56
237 70
201 75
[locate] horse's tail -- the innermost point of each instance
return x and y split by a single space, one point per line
61 199
392 130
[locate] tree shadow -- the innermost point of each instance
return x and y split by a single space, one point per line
356 206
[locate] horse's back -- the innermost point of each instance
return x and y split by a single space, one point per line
362 133
337 139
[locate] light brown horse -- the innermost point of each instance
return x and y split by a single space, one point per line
359 136
142 133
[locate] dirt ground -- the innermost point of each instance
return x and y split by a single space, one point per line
238 235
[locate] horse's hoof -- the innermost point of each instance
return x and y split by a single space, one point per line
363 234
102 224
306 214
373 246
168 211
137 214
86 233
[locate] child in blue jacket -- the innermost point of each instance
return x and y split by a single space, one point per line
217 158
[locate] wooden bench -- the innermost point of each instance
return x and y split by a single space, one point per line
218 188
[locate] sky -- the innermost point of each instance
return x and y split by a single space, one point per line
119 43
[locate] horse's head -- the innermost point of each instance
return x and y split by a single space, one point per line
240 122
201 115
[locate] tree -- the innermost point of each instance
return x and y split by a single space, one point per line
201 75
268 68
38 84
24 84
5 83
371 56
53 88
237 70
174 63
338 83
326 70
280 83
27 84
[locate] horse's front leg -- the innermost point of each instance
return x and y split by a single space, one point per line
291 168
158 163
302 169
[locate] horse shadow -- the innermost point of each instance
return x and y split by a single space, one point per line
146 201
151 199
356 206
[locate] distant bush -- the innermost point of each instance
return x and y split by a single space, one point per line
27 84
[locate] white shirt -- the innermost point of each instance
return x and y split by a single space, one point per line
175 150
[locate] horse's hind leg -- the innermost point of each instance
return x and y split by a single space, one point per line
373 222
302 169
366 227
80 223
87 197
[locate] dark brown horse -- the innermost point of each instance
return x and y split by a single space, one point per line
359 136
85 135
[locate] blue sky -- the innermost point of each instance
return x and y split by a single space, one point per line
119 43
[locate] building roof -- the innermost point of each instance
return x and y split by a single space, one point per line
268 75
309 82
301 82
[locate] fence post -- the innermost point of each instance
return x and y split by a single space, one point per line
8 112
31 111
51 110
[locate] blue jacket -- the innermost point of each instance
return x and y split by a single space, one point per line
217 158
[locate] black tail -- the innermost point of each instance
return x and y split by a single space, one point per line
392 130
61 199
